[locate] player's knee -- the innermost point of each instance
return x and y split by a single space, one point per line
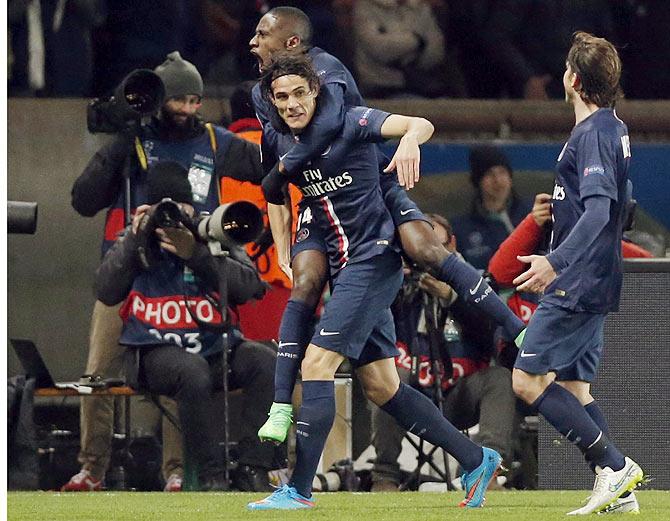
308 285
425 249
319 364
379 392
523 386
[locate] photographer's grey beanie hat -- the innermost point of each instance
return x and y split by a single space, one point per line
179 76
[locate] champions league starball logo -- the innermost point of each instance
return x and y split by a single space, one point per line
593 170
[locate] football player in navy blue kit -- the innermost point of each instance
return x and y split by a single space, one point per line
581 276
287 29
342 191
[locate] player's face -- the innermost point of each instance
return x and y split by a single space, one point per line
268 39
181 109
295 101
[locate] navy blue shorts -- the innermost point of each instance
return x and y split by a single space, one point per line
567 342
357 321
308 235
400 206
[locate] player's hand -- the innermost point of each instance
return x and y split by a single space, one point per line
541 209
537 277
435 287
406 162
178 241
140 217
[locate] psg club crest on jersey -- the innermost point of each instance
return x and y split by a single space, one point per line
302 235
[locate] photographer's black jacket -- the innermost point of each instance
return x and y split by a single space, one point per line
161 302
101 185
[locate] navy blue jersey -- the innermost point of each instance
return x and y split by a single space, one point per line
594 161
341 189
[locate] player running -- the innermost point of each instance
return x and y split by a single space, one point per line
581 277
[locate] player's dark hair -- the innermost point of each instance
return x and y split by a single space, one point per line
295 22
598 67
285 64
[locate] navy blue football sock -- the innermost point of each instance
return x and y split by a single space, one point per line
419 415
315 420
596 414
471 286
294 334
562 410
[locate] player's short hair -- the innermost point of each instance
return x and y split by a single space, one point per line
295 22
285 64
598 66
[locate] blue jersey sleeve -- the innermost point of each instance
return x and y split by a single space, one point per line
322 130
596 166
366 124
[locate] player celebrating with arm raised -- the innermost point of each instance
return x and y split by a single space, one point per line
581 277
288 30
342 191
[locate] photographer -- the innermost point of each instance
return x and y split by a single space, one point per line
167 280
115 178
428 311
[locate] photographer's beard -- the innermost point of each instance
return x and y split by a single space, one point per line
177 125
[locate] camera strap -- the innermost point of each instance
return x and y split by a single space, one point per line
141 154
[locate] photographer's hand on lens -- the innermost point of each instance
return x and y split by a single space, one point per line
140 218
178 241
435 287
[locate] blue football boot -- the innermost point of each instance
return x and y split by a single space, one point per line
284 498
477 481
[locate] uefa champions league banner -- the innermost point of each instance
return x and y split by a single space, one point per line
650 167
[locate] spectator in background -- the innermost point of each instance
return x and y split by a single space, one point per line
644 46
222 53
495 210
400 50
521 44
51 46
139 35
475 391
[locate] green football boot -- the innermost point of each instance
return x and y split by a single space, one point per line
276 427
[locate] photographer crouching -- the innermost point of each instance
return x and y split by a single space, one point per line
167 280
446 350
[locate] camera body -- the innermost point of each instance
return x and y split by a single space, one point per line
230 225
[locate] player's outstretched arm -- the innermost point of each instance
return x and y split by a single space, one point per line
281 224
543 269
412 132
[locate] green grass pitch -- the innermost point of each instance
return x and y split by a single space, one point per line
342 506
